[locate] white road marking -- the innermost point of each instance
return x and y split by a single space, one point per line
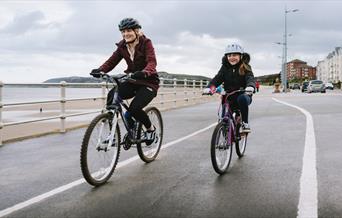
63 188
307 206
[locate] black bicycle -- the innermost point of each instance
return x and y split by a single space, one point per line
101 143
227 132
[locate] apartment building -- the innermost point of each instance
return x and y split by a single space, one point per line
330 69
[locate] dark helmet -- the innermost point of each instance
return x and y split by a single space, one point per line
129 23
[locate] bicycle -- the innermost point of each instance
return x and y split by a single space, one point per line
227 132
101 143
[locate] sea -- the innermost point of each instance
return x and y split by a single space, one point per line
14 94
27 94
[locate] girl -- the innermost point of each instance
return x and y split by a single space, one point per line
235 73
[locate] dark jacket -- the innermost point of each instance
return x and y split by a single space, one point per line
229 75
144 60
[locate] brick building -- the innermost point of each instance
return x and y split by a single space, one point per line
299 70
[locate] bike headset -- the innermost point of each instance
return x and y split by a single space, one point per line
130 23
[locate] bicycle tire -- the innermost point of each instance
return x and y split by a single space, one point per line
221 164
240 142
148 153
89 151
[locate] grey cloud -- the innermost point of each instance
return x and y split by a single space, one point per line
92 28
24 22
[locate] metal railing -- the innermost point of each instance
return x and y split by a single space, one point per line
170 94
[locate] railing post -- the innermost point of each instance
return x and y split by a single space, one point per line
175 91
1 105
194 90
185 92
161 100
161 83
103 87
62 116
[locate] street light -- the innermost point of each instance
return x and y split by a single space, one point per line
285 49
282 61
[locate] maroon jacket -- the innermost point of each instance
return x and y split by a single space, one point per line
144 60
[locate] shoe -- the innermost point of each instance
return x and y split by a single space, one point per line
150 136
245 128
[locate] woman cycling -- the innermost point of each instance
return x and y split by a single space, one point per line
235 73
138 52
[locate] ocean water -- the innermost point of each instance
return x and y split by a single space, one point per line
28 94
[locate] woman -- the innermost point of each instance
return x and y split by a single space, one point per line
235 73
138 52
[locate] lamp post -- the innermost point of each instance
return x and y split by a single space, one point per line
282 62
285 49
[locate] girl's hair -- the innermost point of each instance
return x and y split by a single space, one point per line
244 64
243 68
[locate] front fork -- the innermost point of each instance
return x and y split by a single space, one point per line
111 137
230 131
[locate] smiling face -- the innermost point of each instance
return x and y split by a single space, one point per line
129 35
234 58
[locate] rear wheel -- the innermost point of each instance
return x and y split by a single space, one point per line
148 152
221 148
98 160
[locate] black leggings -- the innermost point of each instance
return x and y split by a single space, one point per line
241 101
143 96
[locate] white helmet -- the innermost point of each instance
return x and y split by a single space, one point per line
233 48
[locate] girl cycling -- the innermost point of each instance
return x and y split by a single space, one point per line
235 73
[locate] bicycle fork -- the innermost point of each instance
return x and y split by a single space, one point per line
230 132
111 137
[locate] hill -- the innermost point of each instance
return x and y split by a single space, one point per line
268 79
77 79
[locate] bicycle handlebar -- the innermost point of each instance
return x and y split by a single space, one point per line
113 78
227 94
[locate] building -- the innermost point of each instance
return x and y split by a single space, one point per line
330 69
300 71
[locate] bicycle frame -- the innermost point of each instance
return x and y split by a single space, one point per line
228 117
116 110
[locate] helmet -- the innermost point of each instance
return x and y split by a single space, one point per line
233 48
129 23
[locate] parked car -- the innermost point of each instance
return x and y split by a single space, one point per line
305 86
316 86
329 86
295 86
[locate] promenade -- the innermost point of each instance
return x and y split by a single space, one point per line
42 176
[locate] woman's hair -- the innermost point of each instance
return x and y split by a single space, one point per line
138 32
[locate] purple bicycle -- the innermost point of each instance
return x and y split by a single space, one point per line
227 132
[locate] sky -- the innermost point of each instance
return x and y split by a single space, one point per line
40 40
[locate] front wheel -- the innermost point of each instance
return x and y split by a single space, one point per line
221 148
98 159
148 152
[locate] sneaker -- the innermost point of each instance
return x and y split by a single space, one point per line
245 128
150 136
